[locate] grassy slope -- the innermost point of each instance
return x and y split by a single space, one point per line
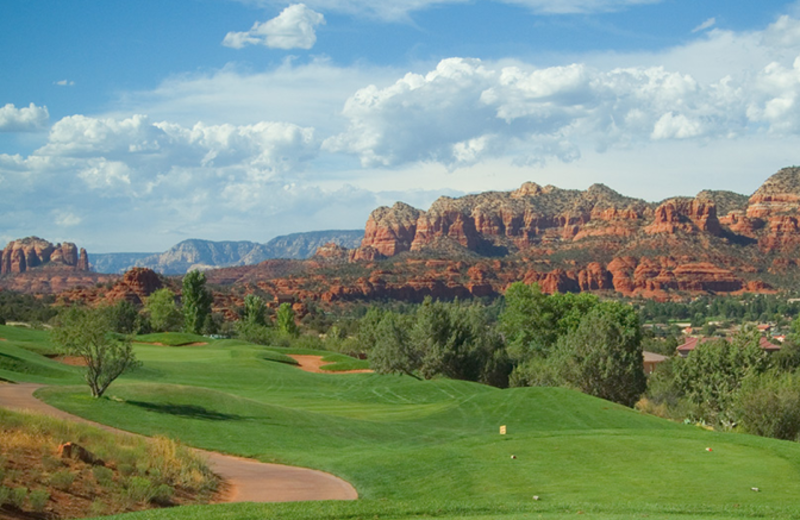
417 447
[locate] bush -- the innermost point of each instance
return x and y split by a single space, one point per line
769 406
62 479
38 499
139 489
162 495
5 496
103 475
17 497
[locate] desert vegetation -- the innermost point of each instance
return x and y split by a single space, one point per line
40 478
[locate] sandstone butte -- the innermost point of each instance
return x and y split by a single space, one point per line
565 240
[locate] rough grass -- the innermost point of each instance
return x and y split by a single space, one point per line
36 480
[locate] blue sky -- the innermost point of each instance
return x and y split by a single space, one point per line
130 126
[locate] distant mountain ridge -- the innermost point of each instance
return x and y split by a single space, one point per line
207 254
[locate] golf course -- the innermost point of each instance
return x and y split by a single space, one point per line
416 449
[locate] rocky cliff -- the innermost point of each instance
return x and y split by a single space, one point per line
29 253
207 254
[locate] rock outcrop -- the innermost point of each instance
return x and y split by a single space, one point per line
29 253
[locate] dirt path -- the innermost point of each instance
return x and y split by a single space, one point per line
314 364
246 480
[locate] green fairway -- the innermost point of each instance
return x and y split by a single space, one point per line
432 448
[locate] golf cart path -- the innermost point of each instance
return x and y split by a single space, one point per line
246 480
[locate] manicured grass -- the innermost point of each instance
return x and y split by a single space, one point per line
432 448
171 339
30 339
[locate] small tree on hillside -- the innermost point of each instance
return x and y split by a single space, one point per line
164 313
255 310
196 300
85 333
285 320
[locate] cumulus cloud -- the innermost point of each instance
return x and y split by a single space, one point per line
26 119
466 110
294 28
64 83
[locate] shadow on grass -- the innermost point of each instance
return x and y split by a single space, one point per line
187 410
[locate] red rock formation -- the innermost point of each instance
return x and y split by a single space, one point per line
391 230
22 255
135 286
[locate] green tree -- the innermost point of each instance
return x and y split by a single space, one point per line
392 351
532 321
123 317
255 310
196 300
710 376
163 312
85 333
769 405
284 319
603 355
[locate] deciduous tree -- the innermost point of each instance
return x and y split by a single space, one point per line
196 301
86 333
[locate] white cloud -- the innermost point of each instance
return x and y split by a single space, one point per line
26 119
711 22
394 10
577 6
64 83
294 28
66 219
466 110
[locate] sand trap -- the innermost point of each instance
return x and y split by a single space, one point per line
246 480
314 365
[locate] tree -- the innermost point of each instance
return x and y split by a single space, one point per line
254 310
710 376
769 405
285 320
392 351
603 355
196 300
164 314
123 317
532 321
85 333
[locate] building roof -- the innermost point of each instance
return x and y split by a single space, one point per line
691 344
652 357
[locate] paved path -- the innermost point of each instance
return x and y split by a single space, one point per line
246 480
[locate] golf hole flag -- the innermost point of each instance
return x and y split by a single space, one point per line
503 430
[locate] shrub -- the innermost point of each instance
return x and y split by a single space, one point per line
17 498
38 499
5 496
62 479
126 470
162 495
139 489
769 406
103 475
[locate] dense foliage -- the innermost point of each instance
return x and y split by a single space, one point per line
196 302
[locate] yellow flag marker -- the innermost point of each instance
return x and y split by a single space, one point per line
503 430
